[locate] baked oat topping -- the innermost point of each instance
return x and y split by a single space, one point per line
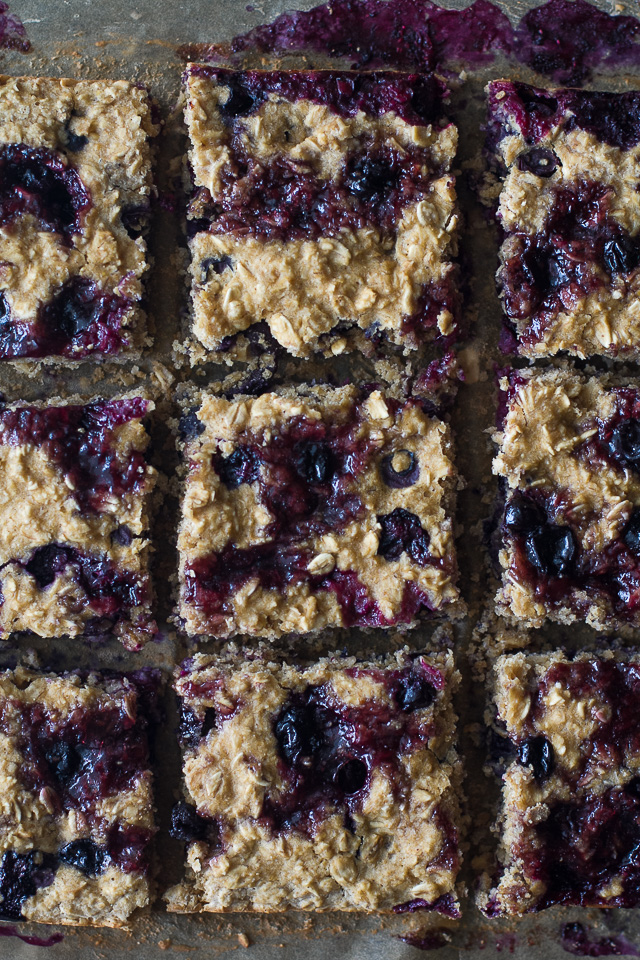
569 830
314 508
328 787
569 453
570 216
76 796
74 488
320 200
75 193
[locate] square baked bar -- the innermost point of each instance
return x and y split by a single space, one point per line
74 491
569 456
76 802
322 203
313 508
75 192
569 212
328 787
570 822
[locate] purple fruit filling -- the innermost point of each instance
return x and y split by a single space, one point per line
110 590
305 480
328 751
80 441
415 98
37 181
80 320
21 876
612 118
282 199
579 249
575 939
548 557
437 297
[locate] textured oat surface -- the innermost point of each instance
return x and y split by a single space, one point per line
32 820
544 449
390 855
605 321
569 715
216 516
50 514
114 165
359 278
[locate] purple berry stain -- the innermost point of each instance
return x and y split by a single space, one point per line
13 35
305 480
575 939
565 40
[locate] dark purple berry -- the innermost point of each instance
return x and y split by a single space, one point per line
402 531
414 693
74 142
400 469
631 534
214 265
551 550
621 255
85 856
624 443
74 309
313 462
47 563
370 179
522 516
21 876
352 776
240 101
193 728
539 161
241 466
188 825
37 181
296 733
123 536
190 426
537 753
63 760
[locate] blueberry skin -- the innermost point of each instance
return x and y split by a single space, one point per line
85 856
351 776
187 824
624 443
551 550
539 161
522 516
414 693
631 533
537 753
295 731
313 462
621 256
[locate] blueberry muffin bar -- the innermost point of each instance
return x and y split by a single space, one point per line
328 787
323 205
313 508
569 212
570 822
75 192
74 490
76 796
569 456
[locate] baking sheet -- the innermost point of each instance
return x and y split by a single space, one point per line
140 40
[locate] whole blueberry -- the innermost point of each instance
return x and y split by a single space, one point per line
240 101
241 466
537 753
540 161
63 760
624 443
85 856
296 733
370 178
47 563
551 550
631 534
400 469
621 255
313 462
522 516
188 825
190 426
414 693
